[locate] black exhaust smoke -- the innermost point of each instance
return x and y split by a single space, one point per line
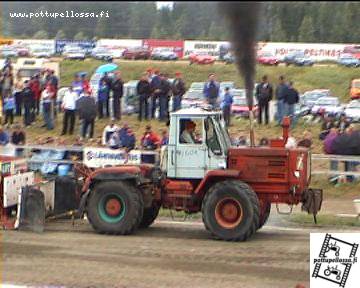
242 19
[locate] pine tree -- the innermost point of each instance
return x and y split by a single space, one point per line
60 35
41 35
278 34
80 36
306 31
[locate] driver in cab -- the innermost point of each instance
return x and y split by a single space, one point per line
187 136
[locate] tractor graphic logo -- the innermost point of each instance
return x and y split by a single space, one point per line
332 265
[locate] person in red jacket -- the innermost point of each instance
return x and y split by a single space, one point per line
85 83
150 140
36 89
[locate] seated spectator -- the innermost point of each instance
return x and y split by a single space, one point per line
241 141
114 140
18 136
123 131
4 137
342 124
165 138
327 124
264 142
306 141
128 141
150 140
108 131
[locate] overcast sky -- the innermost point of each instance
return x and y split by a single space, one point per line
160 4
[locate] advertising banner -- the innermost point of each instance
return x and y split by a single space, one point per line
176 46
100 157
317 51
87 45
119 43
32 43
210 47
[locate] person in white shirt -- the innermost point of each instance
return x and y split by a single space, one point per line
187 136
46 96
108 131
69 108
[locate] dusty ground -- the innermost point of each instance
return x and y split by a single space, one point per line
165 255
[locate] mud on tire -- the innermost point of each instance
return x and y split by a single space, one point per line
115 208
230 211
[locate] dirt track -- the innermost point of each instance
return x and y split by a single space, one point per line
165 255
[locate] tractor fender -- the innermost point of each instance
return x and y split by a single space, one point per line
213 177
127 173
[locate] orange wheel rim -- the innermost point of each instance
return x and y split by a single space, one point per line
228 213
113 207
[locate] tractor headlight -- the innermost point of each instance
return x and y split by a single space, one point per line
297 174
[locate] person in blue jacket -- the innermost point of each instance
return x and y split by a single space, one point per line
226 106
211 91
4 137
103 95
128 140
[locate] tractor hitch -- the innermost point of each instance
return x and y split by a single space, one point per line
312 200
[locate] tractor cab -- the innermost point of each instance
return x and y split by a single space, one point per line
198 143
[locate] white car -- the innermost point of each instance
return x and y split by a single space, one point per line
327 105
102 53
74 53
352 111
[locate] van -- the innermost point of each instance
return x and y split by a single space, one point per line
355 89
25 68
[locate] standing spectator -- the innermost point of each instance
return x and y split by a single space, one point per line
155 89
211 91
86 107
18 136
103 94
291 98
164 96
4 137
263 94
117 87
85 83
27 98
178 90
149 73
7 82
47 96
68 106
19 86
150 140
107 80
53 81
9 107
110 129
280 93
143 90
328 142
226 106
77 85
35 88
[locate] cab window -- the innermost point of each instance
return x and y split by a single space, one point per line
212 139
190 131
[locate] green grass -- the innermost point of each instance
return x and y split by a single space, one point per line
335 78
324 220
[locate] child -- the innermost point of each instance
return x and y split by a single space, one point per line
9 106
226 106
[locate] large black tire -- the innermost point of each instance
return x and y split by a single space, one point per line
231 193
265 217
149 216
123 222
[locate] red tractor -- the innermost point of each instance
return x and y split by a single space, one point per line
232 187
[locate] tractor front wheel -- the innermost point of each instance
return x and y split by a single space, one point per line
149 215
231 211
115 208
265 208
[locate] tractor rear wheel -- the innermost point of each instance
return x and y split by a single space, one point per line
264 214
115 208
149 216
231 211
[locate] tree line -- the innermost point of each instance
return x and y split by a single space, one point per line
336 22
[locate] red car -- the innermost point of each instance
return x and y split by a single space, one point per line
201 58
267 58
23 52
240 107
137 53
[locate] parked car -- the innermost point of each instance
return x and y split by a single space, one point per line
41 52
354 50
102 53
301 110
327 105
298 58
309 98
8 51
163 53
23 52
137 53
229 58
352 111
201 58
267 58
355 89
199 86
74 53
348 60
240 105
